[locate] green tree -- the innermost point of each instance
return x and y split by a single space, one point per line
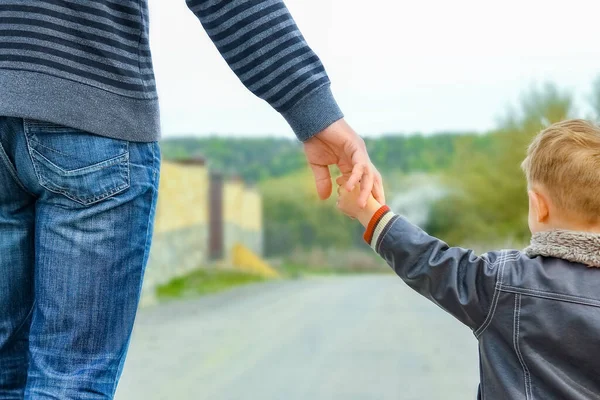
489 202
258 159
296 219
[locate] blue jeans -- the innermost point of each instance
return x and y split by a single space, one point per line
76 218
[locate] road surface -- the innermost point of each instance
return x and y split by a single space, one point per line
333 338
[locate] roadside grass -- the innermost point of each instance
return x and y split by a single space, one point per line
301 263
296 271
205 281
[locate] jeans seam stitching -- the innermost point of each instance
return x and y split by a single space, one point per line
29 151
92 168
32 140
22 324
62 191
146 248
13 171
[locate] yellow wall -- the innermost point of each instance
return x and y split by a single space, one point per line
251 218
183 200
182 226
242 206
233 200
183 197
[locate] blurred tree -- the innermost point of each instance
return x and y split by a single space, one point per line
489 203
295 218
257 159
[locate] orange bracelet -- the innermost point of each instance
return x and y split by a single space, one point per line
368 236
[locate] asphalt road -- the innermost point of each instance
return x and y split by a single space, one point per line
359 337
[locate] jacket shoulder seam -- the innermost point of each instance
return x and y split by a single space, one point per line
502 259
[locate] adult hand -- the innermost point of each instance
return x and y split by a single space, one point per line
340 145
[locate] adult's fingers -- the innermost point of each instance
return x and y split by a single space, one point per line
341 180
366 187
378 191
322 180
357 173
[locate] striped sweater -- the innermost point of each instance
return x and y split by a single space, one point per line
87 64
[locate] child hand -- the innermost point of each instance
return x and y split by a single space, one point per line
348 203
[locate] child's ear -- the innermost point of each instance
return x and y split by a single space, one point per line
539 206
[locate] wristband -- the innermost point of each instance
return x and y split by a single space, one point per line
368 236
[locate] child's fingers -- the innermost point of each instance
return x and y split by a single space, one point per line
339 206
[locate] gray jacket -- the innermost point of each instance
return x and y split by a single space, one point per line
536 314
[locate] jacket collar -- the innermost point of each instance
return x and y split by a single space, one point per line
579 247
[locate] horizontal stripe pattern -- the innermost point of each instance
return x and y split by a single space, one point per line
263 46
103 44
90 51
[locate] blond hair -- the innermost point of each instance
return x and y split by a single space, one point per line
565 159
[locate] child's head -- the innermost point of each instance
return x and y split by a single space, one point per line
563 176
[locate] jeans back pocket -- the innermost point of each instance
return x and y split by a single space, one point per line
84 167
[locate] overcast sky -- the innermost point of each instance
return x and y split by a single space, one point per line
396 65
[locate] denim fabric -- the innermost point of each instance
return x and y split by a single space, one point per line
76 219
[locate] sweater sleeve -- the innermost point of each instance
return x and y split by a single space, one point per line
263 46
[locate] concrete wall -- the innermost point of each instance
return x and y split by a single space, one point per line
181 231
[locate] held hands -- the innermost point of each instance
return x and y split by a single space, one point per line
340 145
348 202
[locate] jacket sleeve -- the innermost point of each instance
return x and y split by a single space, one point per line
455 279
263 46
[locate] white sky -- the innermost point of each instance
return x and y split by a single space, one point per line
396 65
